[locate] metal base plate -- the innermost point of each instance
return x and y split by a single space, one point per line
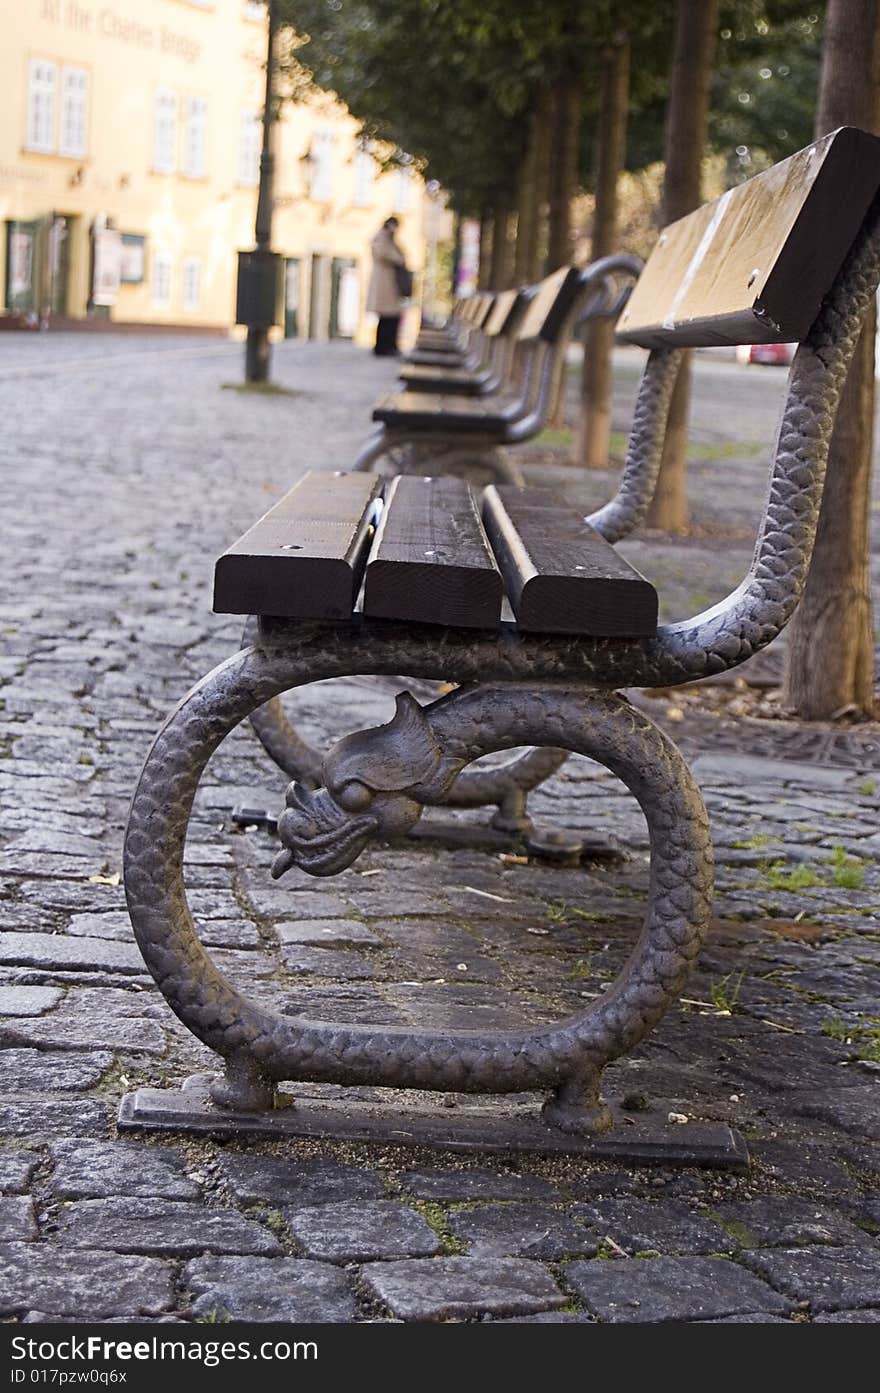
646 1139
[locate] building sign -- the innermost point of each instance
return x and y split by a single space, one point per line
348 304
106 274
21 262
105 22
132 258
468 269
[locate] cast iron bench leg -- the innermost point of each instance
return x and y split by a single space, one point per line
377 783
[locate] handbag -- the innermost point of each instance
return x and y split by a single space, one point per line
404 278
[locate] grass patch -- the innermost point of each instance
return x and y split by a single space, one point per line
437 1218
726 449
846 871
803 877
755 843
583 967
864 1037
724 992
867 787
564 438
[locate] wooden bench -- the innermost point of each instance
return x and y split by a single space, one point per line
457 339
445 422
487 366
355 575
433 551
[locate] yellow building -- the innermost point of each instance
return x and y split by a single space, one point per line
129 159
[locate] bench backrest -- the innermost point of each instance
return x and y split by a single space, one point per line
550 306
754 265
498 320
477 309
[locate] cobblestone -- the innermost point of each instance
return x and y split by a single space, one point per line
86 1285
156 1226
362 1230
522 1230
103 1170
276 1289
461 1288
830 1279
659 1289
304 1183
105 621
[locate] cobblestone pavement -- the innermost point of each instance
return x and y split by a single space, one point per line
125 470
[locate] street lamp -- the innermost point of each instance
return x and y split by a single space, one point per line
259 270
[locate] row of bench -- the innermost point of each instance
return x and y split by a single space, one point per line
353 575
487 381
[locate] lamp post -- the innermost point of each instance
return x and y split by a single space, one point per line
258 271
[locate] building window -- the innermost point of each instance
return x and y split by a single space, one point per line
322 165
364 174
192 282
255 9
160 281
402 190
42 82
195 137
74 112
165 132
250 139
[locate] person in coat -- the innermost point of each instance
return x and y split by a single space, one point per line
383 296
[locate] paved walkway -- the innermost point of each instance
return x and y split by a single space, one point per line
125 470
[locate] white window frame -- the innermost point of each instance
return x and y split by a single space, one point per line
323 143
74 126
403 188
194 162
191 277
364 177
161 278
165 109
250 143
42 103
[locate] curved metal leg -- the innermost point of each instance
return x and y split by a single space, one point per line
378 781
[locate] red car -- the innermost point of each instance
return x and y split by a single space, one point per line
777 354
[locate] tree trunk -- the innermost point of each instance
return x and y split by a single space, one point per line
543 146
484 273
456 256
566 120
499 272
830 657
594 426
528 209
562 184
696 36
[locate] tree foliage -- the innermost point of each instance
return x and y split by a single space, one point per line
767 74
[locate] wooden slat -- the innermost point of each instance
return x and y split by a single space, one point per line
561 576
754 266
430 561
500 313
549 305
304 559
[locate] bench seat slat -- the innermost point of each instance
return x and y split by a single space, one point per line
430 561
447 411
304 559
561 576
